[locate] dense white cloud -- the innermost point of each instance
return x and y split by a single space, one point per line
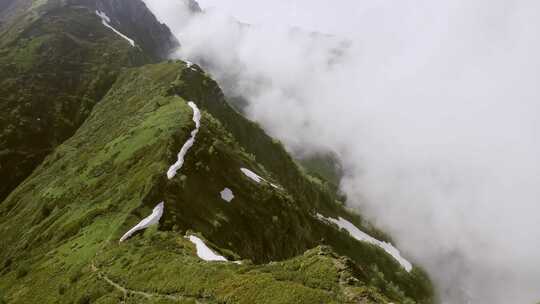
432 106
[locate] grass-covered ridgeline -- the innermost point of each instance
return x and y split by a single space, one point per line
61 225
87 134
55 65
57 60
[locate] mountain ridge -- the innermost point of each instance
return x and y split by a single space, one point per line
60 61
61 225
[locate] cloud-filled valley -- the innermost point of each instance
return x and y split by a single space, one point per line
433 109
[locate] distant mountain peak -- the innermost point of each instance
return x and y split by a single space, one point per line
194 6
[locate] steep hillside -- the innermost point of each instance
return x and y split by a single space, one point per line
134 19
96 132
61 226
56 61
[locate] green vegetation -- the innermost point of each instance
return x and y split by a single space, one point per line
55 65
22 271
95 161
326 167
111 173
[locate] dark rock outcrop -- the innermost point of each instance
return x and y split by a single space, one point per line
135 20
194 6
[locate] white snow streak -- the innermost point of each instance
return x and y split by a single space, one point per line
252 175
178 164
106 22
203 251
257 178
275 186
148 221
362 236
227 195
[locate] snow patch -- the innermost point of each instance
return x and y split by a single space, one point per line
188 144
275 186
362 236
148 221
251 175
203 251
227 195
103 16
257 178
106 22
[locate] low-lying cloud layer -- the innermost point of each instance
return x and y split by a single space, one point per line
434 110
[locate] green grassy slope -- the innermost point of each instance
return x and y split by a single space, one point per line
61 225
56 62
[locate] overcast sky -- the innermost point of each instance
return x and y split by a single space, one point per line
340 17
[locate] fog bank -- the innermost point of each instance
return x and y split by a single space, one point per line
433 108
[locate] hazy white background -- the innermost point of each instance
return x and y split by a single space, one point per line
432 106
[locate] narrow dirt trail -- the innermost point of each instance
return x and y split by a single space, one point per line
126 291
